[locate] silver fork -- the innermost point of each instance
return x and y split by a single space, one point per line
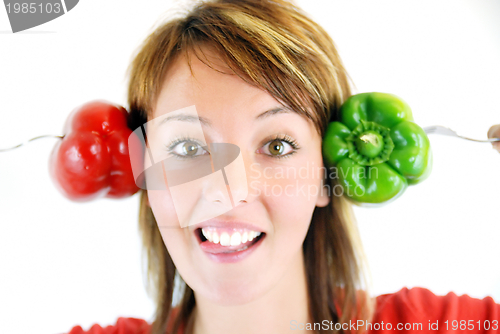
27 141
441 130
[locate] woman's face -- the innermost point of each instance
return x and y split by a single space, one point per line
216 257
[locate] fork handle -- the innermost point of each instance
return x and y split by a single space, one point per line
489 140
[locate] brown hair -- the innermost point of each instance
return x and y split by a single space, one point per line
273 45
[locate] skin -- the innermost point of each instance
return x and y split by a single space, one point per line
494 132
267 289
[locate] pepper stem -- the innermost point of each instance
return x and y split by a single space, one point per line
370 143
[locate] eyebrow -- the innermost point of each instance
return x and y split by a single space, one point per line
206 122
274 111
187 118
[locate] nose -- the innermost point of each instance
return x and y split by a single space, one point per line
217 192
247 189
228 159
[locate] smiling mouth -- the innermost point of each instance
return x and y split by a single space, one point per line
227 240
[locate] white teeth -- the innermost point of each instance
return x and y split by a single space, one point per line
215 237
236 239
225 240
207 234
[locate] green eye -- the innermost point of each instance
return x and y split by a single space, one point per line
281 146
186 148
276 147
189 148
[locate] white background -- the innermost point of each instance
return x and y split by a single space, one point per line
63 263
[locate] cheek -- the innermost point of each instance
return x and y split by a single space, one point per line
166 219
163 208
290 197
177 240
292 211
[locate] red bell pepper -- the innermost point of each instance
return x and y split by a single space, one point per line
92 160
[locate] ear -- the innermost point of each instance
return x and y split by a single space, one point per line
323 196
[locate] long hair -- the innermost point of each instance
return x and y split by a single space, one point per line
273 45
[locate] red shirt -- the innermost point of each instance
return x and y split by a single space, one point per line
415 310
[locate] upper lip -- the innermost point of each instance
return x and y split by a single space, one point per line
229 223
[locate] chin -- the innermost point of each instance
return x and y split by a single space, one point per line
231 293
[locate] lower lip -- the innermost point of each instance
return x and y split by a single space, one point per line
234 256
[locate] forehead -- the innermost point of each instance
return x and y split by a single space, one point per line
209 84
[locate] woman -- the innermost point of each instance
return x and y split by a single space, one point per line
264 77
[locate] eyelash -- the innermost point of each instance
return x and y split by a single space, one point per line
287 139
170 147
282 137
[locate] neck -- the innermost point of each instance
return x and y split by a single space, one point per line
276 311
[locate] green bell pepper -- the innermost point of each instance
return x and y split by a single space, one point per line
376 150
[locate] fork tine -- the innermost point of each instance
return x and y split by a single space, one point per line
429 129
441 130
